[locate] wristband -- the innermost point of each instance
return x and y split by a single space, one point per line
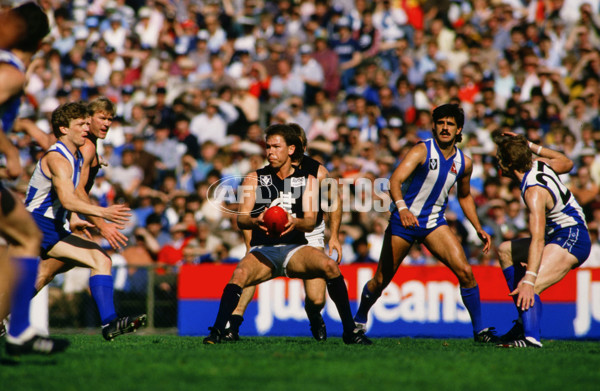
531 273
528 282
529 144
539 150
402 208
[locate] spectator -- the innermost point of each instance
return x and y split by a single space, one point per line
210 125
127 178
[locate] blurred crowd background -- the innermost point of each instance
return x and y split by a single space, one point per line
196 82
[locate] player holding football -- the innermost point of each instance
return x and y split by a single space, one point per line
280 183
419 188
559 240
314 288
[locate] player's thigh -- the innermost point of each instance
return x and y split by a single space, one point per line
51 267
308 263
252 270
517 250
444 245
393 251
556 263
76 251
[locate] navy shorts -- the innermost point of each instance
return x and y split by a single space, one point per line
575 239
53 232
411 235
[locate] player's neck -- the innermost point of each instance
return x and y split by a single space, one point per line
69 144
285 170
25 57
519 175
446 148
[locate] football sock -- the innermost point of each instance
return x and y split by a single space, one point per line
101 286
532 319
367 299
313 312
339 294
27 272
229 300
513 275
472 302
235 321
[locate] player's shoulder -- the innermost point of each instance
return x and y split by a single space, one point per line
251 177
88 149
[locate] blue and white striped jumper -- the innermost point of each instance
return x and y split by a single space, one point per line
426 190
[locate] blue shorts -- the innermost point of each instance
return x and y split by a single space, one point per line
575 239
279 255
411 235
53 232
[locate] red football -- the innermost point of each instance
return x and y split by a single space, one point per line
275 219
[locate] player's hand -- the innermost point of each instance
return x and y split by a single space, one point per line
260 222
102 162
486 239
334 244
117 213
290 226
80 225
408 219
113 236
525 295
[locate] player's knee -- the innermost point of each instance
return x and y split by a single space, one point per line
331 269
379 282
505 254
103 263
315 301
465 276
239 277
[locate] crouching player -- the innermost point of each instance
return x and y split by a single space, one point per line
559 240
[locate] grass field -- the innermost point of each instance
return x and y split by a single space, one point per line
144 362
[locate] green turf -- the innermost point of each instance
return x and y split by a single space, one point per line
142 362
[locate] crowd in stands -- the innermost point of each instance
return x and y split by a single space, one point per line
196 82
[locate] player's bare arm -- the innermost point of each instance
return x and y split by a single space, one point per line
414 158
108 230
334 216
60 173
467 204
13 166
558 161
12 82
537 200
44 140
245 221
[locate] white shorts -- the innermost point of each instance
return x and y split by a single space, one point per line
316 238
279 255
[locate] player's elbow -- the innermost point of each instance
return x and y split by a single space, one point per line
14 171
309 222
